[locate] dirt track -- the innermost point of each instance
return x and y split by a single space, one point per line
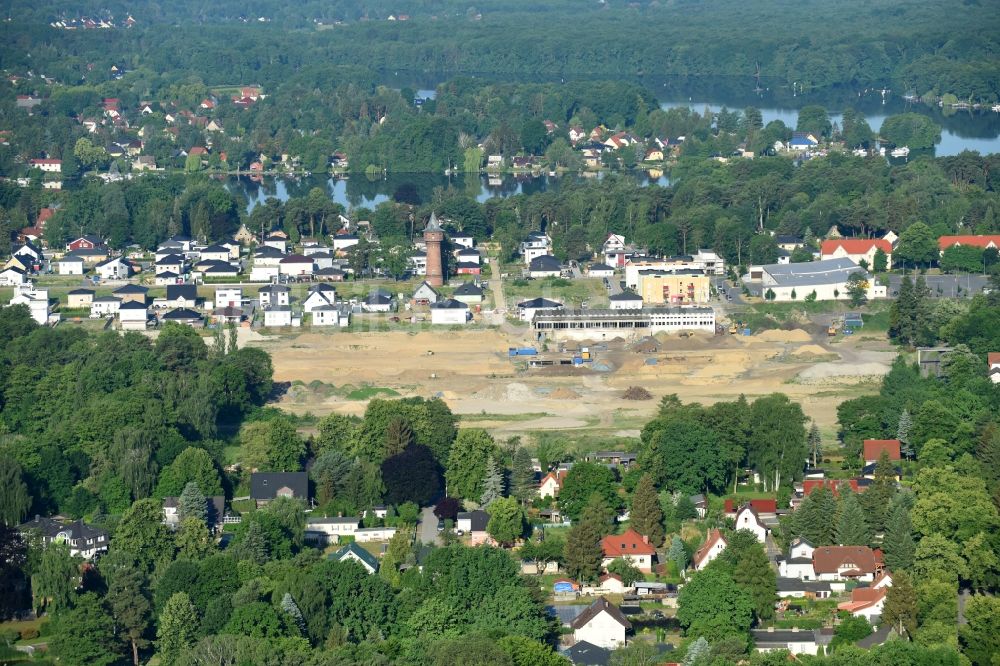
471 371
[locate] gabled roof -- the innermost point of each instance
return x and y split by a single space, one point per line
82 292
478 519
539 303
600 606
855 245
264 485
275 289
182 314
830 559
714 537
358 552
628 543
758 505
992 358
71 258
322 288
132 305
587 654
50 528
600 267
170 259
983 241
468 289
188 292
131 289
449 304
873 448
625 296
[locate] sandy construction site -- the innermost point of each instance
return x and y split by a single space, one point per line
472 372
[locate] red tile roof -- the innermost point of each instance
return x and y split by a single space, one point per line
945 242
855 245
629 543
993 358
758 505
810 485
713 537
830 559
863 597
875 447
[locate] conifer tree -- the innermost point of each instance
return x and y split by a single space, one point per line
754 573
192 503
678 553
697 653
398 436
815 443
646 516
583 552
852 526
877 500
898 544
813 520
253 546
903 432
292 609
232 338
493 486
522 476
900 608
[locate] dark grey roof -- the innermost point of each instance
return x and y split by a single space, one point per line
468 289
323 288
187 291
782 637
588 654
170 259
596 608
538 303
50 528
131 289
275 289
826 271
182 314
600 267
264 485
468 252
796 585
268 252
132 305
378 297
71 258
877 637
460 265
545 262
216 248
358 551
449 304
625 296
81 292
478 519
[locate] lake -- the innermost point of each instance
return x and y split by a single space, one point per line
357 190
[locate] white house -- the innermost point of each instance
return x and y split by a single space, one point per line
799 563
71 265
228 297
274 294
630 546
450 311
469 293
625 300
857 250
215 253
993 366
295 264
714 544
277 241
267 256
105 305
83 540
327 315
356 553
37 301
544 265
114 268
425 294
277 315
326 529
342 242
526 310
264 273
12 276
462 239
535 245
418 262
612 584
133 316
844 563
320 295
796 641
614 250
748 519
601 624
600 271
173 263
868 602
378 300
551 483
469 255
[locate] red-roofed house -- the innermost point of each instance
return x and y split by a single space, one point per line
809 485
747 518
867 602
857 249
714 544
44 215
198 150
759 505
841 563
993 366
873 449
632 547
944 242
49 166
551 483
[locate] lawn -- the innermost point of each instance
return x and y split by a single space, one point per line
570 292
369 392
21 626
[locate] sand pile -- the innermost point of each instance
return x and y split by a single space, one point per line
823 371
798 335
564 394
811 350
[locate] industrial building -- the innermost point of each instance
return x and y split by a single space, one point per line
609 324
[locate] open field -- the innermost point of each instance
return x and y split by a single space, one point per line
470 370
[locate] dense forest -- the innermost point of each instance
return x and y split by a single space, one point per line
897 44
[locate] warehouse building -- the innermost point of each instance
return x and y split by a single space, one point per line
609 324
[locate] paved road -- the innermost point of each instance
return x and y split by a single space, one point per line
947 286
496 285
427 530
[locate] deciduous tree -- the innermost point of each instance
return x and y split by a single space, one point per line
178 628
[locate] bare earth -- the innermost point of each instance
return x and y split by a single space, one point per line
470 370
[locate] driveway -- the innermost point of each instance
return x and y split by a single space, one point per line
427 530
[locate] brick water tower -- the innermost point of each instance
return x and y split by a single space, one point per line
433 236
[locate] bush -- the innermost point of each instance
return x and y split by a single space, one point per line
8 636
29 633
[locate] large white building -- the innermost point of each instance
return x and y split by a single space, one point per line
827 278
703 261
609 324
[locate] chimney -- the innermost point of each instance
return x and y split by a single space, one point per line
645 539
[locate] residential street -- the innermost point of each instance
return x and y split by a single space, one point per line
427 530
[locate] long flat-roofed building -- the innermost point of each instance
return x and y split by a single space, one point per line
609 324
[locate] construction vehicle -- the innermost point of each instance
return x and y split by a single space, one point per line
733 328
832 329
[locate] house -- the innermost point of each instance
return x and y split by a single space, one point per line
614 458
468 255
215 510
71 265
534 245
181 296
714 544
277 240
747 518
27 251
577 134
91 255
215 253
84 243
857 250
799 563
266 486
295 264
425 294
184 316
243 236
214 268
133 315
600 271
789 243
462 239
612 584
37 301
868 602
874 448
183 243
320 295
418 262
173 263
526 310
341 242
796 641
544 265
654 155
467 268
992 364
330 315
144 163
46 165
551 483
79 298
473 524
167 278
353 551
267 255
11 276
450 311
326 530
797 588
601 624
83 540
982 241
631 546
104 306
274 295
700 503
802 141
131 293
227 315
228 297
845 563
277 315
625 300
322 259
378 300
468 293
